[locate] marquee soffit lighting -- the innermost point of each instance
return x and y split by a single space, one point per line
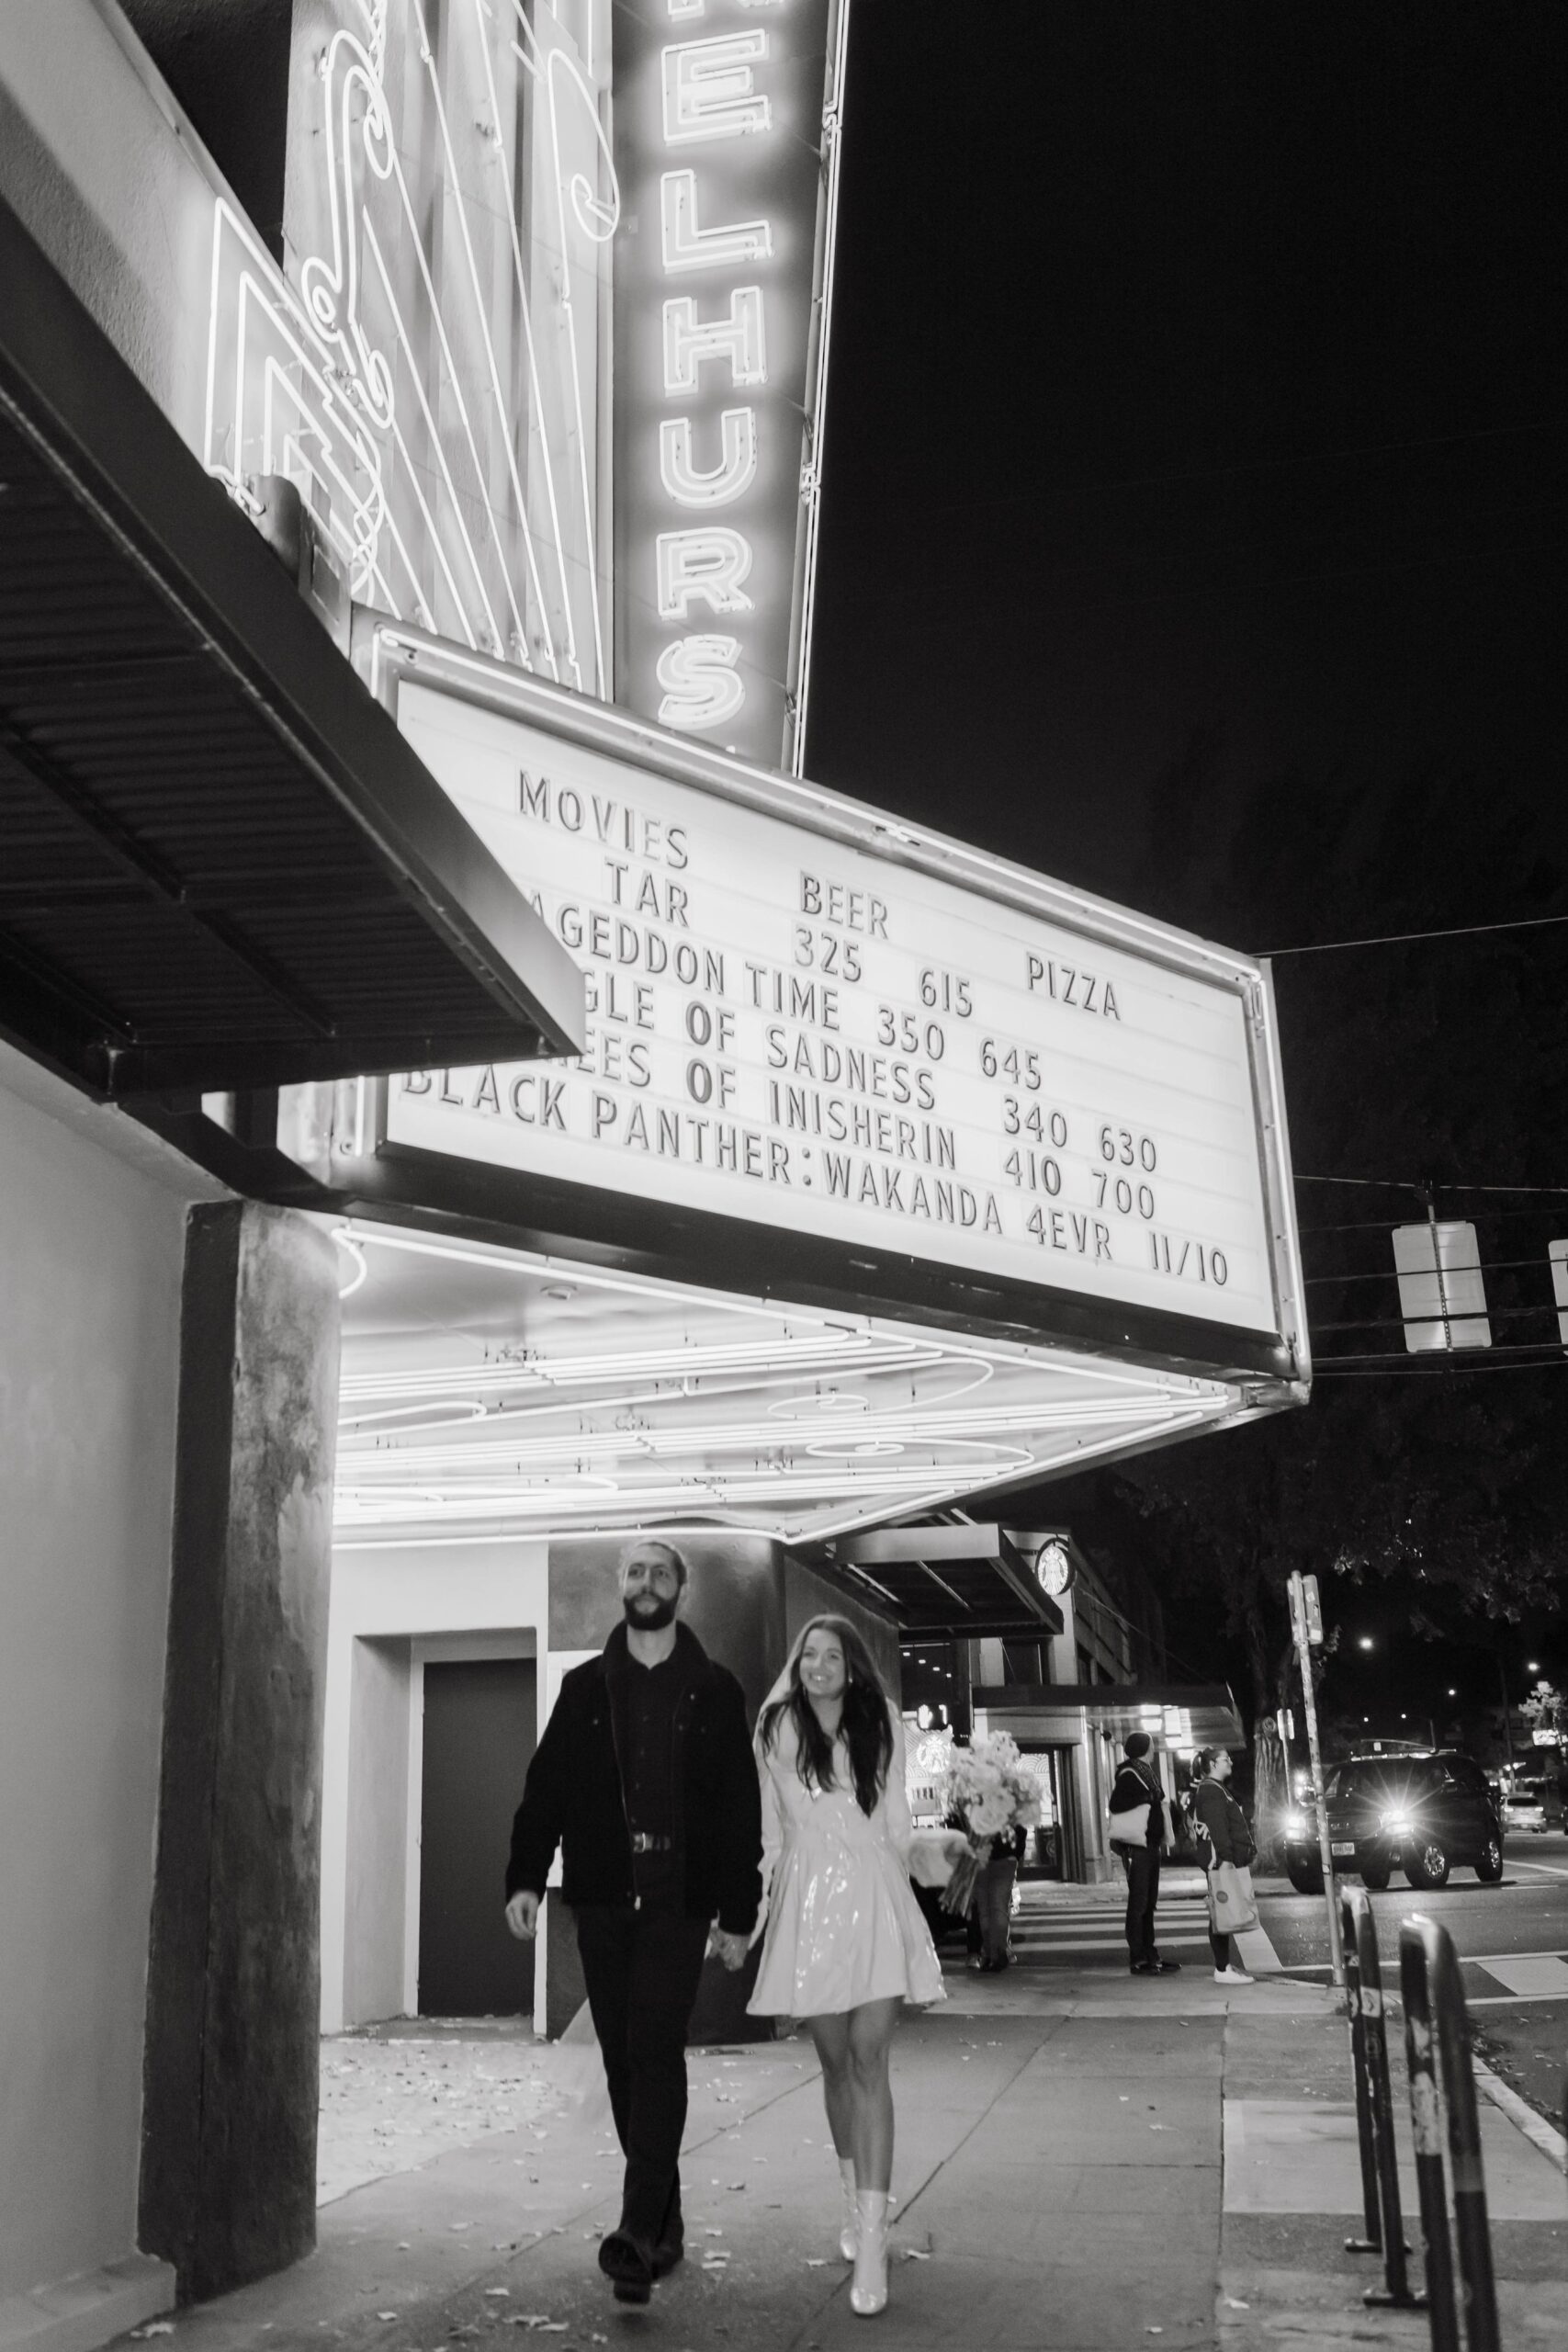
787 1421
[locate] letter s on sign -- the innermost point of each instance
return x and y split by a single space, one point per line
701 688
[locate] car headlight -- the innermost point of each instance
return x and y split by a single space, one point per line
1398 1825
1295 1825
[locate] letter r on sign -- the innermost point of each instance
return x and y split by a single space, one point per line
710 563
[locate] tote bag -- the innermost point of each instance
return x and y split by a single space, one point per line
1131 1827
1232 1904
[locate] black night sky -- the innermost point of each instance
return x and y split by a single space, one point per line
1192 531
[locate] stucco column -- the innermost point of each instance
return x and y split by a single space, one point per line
228 2142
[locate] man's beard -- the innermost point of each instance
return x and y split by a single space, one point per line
646 1613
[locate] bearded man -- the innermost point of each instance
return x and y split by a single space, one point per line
646 1780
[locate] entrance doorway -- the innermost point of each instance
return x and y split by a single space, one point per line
480 1725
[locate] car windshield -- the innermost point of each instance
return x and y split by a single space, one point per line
1387 1780
1528 1793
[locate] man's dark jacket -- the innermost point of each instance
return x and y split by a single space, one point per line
1136 1784
573 1795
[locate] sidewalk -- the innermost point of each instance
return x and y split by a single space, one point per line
1086 2161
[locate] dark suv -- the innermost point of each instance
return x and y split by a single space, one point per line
1426 1813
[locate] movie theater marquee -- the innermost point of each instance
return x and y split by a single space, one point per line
790 1028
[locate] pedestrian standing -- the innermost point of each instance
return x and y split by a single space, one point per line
1223 1837
845 1942
993 1897
645 1779
1140 1837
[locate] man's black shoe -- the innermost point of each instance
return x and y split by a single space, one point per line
666 2254
1168 1967
1143 1968
628 2264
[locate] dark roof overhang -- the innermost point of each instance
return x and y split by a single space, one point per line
946 1582
1046 1711
220 865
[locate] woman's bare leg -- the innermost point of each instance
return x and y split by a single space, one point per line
830 2036
870 2037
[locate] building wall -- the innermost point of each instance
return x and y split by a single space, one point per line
118 199
391 1607
91 1252
376 1886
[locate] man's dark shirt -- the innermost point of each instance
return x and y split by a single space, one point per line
648 1767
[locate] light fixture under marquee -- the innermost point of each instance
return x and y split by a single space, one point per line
473 1399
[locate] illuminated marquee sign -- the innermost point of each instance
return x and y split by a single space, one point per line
726 152
429 369
923 1052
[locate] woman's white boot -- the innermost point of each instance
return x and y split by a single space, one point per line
849 2237
869 2294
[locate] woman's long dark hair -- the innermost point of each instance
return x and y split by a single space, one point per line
865 1722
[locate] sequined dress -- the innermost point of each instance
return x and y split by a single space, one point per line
843 1926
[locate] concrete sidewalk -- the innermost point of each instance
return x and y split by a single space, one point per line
1084 2164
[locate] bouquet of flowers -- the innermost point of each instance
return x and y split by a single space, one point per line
989 1790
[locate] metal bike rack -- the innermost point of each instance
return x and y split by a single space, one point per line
1374 2106
1436 2037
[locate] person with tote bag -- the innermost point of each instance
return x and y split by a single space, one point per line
1140 1819
1228 1845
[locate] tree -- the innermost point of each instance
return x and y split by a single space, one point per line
1432 1061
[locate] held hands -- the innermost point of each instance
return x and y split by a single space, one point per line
731 1949
523 1915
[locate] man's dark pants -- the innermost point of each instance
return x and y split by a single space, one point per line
641 1969
1142 1864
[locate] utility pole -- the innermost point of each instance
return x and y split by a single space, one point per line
1507 1722
1306 1624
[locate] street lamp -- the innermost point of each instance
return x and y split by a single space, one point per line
1365 1643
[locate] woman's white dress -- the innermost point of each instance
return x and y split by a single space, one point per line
843 1926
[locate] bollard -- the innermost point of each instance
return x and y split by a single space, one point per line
1371 2242
1396 2288
1426 2117
1435 1998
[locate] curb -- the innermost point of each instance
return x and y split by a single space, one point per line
1536 2128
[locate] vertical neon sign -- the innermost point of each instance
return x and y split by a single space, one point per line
725 153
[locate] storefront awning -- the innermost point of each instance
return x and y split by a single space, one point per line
223 866
946 1582
1178 1715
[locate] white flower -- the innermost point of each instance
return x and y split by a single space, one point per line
990 1814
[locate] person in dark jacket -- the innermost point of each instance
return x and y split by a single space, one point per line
1222 1833
644 1778
1137 1784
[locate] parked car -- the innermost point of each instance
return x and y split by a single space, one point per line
1524 1807
1424 1813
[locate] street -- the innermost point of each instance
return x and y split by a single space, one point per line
1513 1940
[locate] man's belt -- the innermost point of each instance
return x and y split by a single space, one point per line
643 1843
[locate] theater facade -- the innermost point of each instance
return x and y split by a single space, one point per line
466 1095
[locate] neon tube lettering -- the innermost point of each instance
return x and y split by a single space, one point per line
688 245
737 467
712 563
709 92
701 688
737 337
